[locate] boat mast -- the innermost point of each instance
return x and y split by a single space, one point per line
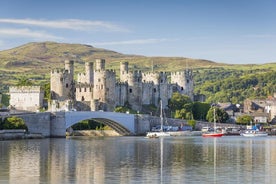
214 119
161 115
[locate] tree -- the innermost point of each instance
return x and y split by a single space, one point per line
124 109
14 122
220 115
180 114
200 110
178 101
23 81
244 119
181 106
47 89
192 123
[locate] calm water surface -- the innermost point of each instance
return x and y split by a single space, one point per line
139 160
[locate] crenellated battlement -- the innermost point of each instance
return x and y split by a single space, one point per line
58 71
96 83
25 89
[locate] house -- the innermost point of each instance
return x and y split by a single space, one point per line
265 108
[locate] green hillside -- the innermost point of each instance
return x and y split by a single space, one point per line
35 61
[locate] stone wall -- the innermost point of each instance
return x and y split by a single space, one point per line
135 87
29 98
58 124
37 123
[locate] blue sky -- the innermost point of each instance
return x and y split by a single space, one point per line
227 31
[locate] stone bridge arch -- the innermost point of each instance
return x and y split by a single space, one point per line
122 123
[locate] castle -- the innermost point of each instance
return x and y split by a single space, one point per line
98 89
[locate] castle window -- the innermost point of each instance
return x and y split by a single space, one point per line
188 81
99 80
82 98
130 90
161 81
90 89
66 85
138 80
154 90
182 88
101 86
84 89
80 89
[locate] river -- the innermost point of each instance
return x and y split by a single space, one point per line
139 160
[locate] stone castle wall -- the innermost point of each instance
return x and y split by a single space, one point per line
100 88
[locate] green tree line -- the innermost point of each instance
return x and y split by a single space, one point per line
221 85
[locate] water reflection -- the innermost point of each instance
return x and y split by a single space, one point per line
139 160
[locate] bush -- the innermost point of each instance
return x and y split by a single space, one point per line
192 123
14 123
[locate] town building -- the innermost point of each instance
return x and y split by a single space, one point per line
262 110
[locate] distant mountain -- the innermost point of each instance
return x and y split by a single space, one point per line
51 55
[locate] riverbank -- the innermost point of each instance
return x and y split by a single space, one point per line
18 134
93 133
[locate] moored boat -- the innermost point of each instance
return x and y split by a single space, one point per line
157 134
254 133
160 133
212 134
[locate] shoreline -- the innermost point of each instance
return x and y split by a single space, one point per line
18 134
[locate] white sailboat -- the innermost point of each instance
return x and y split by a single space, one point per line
254 132
159 133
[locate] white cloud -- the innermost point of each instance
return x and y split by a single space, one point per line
27 33
72 24
135 42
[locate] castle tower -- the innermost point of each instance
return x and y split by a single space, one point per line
184 82
89 72
155 88
100 64
123 68
163 89
104 86
62 84
69 66
135 89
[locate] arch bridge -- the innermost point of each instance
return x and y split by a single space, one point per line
122 123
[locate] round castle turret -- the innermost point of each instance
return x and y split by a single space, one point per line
134 89
104 85
62 84
184 82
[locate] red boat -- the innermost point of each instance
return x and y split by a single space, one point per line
212 134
